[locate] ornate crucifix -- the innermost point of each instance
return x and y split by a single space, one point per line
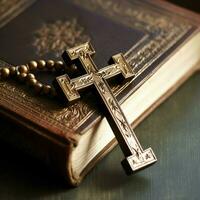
136 157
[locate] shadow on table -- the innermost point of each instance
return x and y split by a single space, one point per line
22 176
113 177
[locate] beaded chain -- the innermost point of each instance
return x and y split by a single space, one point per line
24 73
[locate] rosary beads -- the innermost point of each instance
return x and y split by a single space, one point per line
24 74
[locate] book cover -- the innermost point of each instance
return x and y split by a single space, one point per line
145 32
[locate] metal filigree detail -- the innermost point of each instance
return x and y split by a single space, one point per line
57 36
117 120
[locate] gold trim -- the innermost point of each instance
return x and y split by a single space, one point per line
9 9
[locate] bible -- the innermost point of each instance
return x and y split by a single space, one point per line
161 43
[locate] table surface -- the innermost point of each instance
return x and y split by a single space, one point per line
173 131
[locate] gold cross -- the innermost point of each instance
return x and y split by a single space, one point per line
136 157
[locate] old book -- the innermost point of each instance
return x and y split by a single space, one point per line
161 42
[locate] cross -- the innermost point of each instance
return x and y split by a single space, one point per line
135 157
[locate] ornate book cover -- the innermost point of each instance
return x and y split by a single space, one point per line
146 32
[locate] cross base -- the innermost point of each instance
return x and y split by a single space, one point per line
134 163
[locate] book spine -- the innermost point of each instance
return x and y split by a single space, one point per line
53 154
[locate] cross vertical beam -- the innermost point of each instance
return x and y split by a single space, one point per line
136 157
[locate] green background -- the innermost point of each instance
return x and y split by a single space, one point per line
172 130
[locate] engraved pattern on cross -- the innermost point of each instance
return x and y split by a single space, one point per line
135 157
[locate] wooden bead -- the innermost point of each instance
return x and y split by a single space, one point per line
13 71
58 65
50 64
32 82
41 64
22 77
33 65
23 69
72 69
5 72
53 92
30 76
46 89
18 74
38 87
22 73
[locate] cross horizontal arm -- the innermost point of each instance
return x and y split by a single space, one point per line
86 79
71 86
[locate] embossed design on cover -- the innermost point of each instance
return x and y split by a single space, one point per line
49 112
57 36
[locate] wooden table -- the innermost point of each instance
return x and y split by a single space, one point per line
173 131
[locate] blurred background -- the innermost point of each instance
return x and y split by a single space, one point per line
189 4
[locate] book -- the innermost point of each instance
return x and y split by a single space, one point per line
161 42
